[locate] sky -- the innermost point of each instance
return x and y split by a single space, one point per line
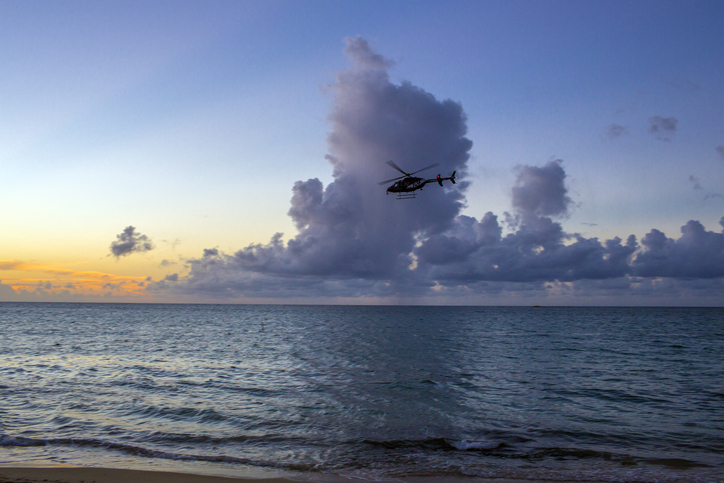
230 152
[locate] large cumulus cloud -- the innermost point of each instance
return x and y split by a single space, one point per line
350 229
354 241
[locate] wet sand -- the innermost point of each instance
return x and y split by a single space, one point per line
109 475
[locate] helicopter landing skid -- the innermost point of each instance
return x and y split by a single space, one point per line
405 196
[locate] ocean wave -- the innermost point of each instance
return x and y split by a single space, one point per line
409 458
367 391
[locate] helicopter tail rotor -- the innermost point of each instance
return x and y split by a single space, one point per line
452 177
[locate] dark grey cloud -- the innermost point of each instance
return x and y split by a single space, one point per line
130 242
540 253
720 150
354 241
696 254
541 191
539 250
615 131
663 127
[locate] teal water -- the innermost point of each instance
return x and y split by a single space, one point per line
612 394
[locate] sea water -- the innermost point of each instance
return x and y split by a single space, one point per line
370 392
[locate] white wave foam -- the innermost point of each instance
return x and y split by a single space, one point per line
467 445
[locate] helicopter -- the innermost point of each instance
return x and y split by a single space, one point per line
406 186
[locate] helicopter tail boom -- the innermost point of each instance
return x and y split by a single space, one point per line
440 179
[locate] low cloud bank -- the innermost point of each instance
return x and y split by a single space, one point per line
353 241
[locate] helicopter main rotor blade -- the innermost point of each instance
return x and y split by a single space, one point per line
392 163
423 169
393 179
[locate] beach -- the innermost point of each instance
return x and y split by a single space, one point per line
64 474
106 475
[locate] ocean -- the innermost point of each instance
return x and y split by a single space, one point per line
366 392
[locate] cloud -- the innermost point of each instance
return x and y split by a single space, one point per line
628 107
130 242
350 229
539 250
474 253
697 254
353 241
65 284
16 265
211 252
720 150
697 187
82 278
663 127
363 56
615 131
7 293
541 191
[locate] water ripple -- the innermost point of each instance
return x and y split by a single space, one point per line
612 394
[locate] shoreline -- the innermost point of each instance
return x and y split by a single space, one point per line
81 474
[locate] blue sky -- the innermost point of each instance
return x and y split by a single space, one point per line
192 122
